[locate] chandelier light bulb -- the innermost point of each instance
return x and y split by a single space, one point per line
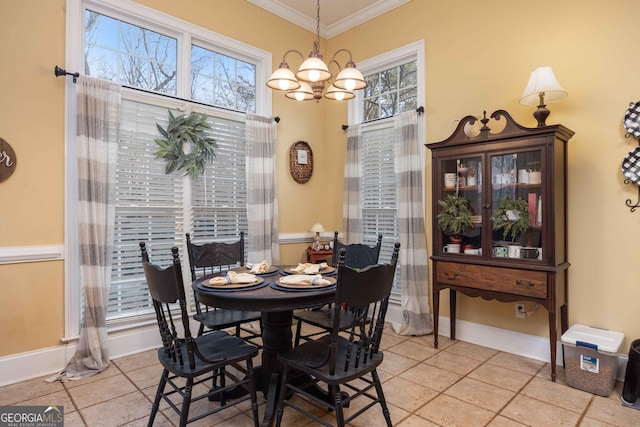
350 84
299 96
283 84
339 96
314 75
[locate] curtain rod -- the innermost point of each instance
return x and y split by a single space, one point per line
419 110
62 72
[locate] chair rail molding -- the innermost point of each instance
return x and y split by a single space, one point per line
18 254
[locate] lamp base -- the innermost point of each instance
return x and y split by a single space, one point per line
541 114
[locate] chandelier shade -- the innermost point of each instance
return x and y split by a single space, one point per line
283 79
309 81
303 93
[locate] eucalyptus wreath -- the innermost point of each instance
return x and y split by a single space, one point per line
186 128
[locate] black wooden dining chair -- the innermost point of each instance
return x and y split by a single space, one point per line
189 361
346 359
216 257
358 255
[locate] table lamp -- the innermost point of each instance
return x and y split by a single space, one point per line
317 228
542 88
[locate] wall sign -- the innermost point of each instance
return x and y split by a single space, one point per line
7 160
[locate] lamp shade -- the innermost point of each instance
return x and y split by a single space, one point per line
317 228
313 69
543 81
283 79
350 78
303 93
338 94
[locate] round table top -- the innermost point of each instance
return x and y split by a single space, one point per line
264 298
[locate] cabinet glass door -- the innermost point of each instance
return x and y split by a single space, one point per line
516 205
461 184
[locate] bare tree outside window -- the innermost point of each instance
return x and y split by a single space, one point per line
390 92
137 57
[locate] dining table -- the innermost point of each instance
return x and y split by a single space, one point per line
276 303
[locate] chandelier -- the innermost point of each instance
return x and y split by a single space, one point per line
309 82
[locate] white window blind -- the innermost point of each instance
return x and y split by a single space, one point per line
150 205
149 208
379 189
219 196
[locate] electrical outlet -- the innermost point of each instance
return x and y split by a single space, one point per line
520 311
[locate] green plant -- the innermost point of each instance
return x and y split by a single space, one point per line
455 216
512 217
183 128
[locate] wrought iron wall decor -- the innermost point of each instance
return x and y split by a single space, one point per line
631 162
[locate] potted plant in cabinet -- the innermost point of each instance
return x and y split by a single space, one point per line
512 217
455 217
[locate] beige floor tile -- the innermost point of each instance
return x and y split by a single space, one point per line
516 363
395 363
406 394
54 399
25 390
431 377
412 350
111 371
447 411
545 373
137 361
453 362
472 351
389 339
99 391
480 394
145 377
590 422
73 419
501 377
501 421
458 384
416 421
117 411
535 413
612 412
558 394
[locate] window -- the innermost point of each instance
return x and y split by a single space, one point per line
390 92
163 64
392 88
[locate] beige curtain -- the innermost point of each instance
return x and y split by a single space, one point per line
98 118
414 271
262 198
352 197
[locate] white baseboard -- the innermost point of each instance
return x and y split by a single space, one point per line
48 361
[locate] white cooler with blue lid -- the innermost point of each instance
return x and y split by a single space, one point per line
591 358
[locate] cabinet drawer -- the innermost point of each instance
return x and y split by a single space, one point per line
506 280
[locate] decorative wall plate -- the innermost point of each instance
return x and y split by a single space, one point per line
632 120
301 162
631 166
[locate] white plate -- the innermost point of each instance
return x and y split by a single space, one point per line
632 120
631 166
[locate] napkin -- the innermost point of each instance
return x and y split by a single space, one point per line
233 277
308 268
305 279
259 268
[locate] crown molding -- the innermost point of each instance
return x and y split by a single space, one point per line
379 8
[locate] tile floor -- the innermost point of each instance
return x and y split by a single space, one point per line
459 384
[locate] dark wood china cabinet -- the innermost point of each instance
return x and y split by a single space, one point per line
493 258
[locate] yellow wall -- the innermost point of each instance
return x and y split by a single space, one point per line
478 57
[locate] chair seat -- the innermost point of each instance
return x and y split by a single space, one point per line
312 357
222 319
323 318
215 346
